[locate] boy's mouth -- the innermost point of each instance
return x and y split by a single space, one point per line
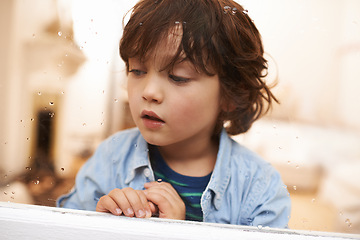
151 116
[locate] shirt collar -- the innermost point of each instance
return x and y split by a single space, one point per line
221 174
140 157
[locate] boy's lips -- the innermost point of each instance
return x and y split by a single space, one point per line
151 119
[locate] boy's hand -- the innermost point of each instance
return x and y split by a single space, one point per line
126 201
165 197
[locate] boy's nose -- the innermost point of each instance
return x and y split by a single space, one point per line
152 90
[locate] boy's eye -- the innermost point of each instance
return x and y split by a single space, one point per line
137 72
177 79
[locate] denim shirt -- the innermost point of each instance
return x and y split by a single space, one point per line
243 188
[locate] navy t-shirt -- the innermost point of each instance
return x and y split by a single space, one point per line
189 188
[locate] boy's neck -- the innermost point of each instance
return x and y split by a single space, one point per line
195 159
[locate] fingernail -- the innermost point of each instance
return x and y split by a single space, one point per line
140 213
118 211
129 211
148 213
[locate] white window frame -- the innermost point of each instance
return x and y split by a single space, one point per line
21 221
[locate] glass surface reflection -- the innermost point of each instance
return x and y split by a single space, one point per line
62 92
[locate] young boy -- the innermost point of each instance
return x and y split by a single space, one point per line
194 66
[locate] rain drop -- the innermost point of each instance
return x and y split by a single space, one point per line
39 93
84 124
294 187
245 11
62 169
259 227
234 11
347 221
297 167
51 103
31 119
28 138
116 100
59 33
227 9
33 35
313 200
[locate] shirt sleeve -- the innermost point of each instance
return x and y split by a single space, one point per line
270 202
92 182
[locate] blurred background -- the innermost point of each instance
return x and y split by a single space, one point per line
62 91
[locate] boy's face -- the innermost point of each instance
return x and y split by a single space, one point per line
172 106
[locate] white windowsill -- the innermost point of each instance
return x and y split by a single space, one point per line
20 221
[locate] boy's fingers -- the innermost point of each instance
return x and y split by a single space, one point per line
145 203
118 196
106 204
137 203
164 186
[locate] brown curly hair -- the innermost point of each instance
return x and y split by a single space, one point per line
218 38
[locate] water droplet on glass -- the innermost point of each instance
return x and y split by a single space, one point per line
177 22
51 103
116 100
28 168
31 119
28 138
84 124
141 24
135 145
340 213
294 187
39 93
59 33
347 221
33 35
289 162
297 167
234 11
227 9
51 115
280 147
36 182
12 192
5 193
313 200
62 169
259 227
62 92
8 185
245 11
